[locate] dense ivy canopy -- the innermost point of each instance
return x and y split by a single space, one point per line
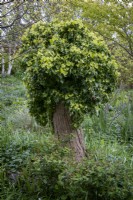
66 63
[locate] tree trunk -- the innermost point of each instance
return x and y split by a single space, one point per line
3 67
9 62
67 135
3 63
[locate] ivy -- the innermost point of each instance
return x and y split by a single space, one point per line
66 63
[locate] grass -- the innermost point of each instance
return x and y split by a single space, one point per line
29 154
114 119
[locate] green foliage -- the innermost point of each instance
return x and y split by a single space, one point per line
12 96
48 173
66 63
114 119
13 106
125 68
33 165
112 19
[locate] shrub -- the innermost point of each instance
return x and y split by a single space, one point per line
50 174
35 166
51 177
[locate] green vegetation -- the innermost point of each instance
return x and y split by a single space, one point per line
34 166
66 65
114 119
113 20
69 72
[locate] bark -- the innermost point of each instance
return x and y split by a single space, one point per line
3 63
66 134
9 63
3 67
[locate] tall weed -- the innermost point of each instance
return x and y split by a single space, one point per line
113 120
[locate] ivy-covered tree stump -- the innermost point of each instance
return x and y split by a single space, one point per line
68 72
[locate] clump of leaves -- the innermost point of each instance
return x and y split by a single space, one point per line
66 63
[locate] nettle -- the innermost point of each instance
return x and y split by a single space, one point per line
68 72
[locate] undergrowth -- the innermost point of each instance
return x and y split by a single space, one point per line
33 166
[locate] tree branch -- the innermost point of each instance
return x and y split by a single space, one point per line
12 10
3 3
